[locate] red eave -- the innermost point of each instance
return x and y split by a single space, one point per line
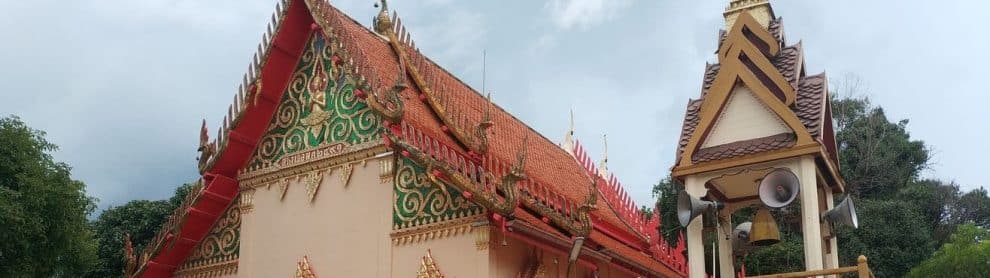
220 184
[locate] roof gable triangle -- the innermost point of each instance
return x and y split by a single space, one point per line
743 118
745 64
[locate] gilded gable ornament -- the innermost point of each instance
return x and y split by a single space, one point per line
313 184
320 112
304 269
317 98
345 174
282 188
428 267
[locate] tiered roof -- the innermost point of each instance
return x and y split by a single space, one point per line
811 104
442 119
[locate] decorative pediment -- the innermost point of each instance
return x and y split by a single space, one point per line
746 70
320 114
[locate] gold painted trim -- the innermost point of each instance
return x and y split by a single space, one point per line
210 270
482 237
386 170
347 170
247 201
354 153
725 82
314 182
304 269
484 197
437 230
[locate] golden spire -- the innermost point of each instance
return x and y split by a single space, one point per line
759 9
382 22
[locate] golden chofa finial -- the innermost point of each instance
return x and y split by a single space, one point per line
382 22
759 9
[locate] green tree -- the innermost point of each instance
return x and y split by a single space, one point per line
878 157
890 236
141 219
666 193
967 254
44 228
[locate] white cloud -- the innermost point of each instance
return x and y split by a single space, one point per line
567 14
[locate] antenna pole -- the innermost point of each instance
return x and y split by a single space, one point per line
484 65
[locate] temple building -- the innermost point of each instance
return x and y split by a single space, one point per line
348 153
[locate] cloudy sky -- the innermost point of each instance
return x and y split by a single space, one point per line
122 86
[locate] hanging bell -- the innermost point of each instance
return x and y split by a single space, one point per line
764 230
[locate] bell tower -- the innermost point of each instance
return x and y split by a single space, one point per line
759 135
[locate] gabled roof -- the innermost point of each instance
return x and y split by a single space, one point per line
809 106
562 183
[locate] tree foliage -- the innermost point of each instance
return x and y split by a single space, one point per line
878 156
43 226
141 219
666 193
967 254
890 236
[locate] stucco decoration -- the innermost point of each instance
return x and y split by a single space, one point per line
247 201
217 254
418 201
319 115
313 183
428 267
304 270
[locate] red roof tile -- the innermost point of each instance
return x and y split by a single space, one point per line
547 163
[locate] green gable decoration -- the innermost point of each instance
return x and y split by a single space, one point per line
318 109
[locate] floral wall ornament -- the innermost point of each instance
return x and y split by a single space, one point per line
320 108
313 184
428 267
419 202
345 174
247 201
440 172
217 254
282 188
304 269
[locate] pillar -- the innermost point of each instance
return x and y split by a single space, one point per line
810 214
831 259
726 264
695 186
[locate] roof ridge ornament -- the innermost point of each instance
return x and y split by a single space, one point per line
469 180
476 140
568 144
759 9
382 23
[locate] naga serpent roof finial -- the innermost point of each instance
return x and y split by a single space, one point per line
382 22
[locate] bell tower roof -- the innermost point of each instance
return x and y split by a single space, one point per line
759 9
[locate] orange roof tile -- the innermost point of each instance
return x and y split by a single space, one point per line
548 164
